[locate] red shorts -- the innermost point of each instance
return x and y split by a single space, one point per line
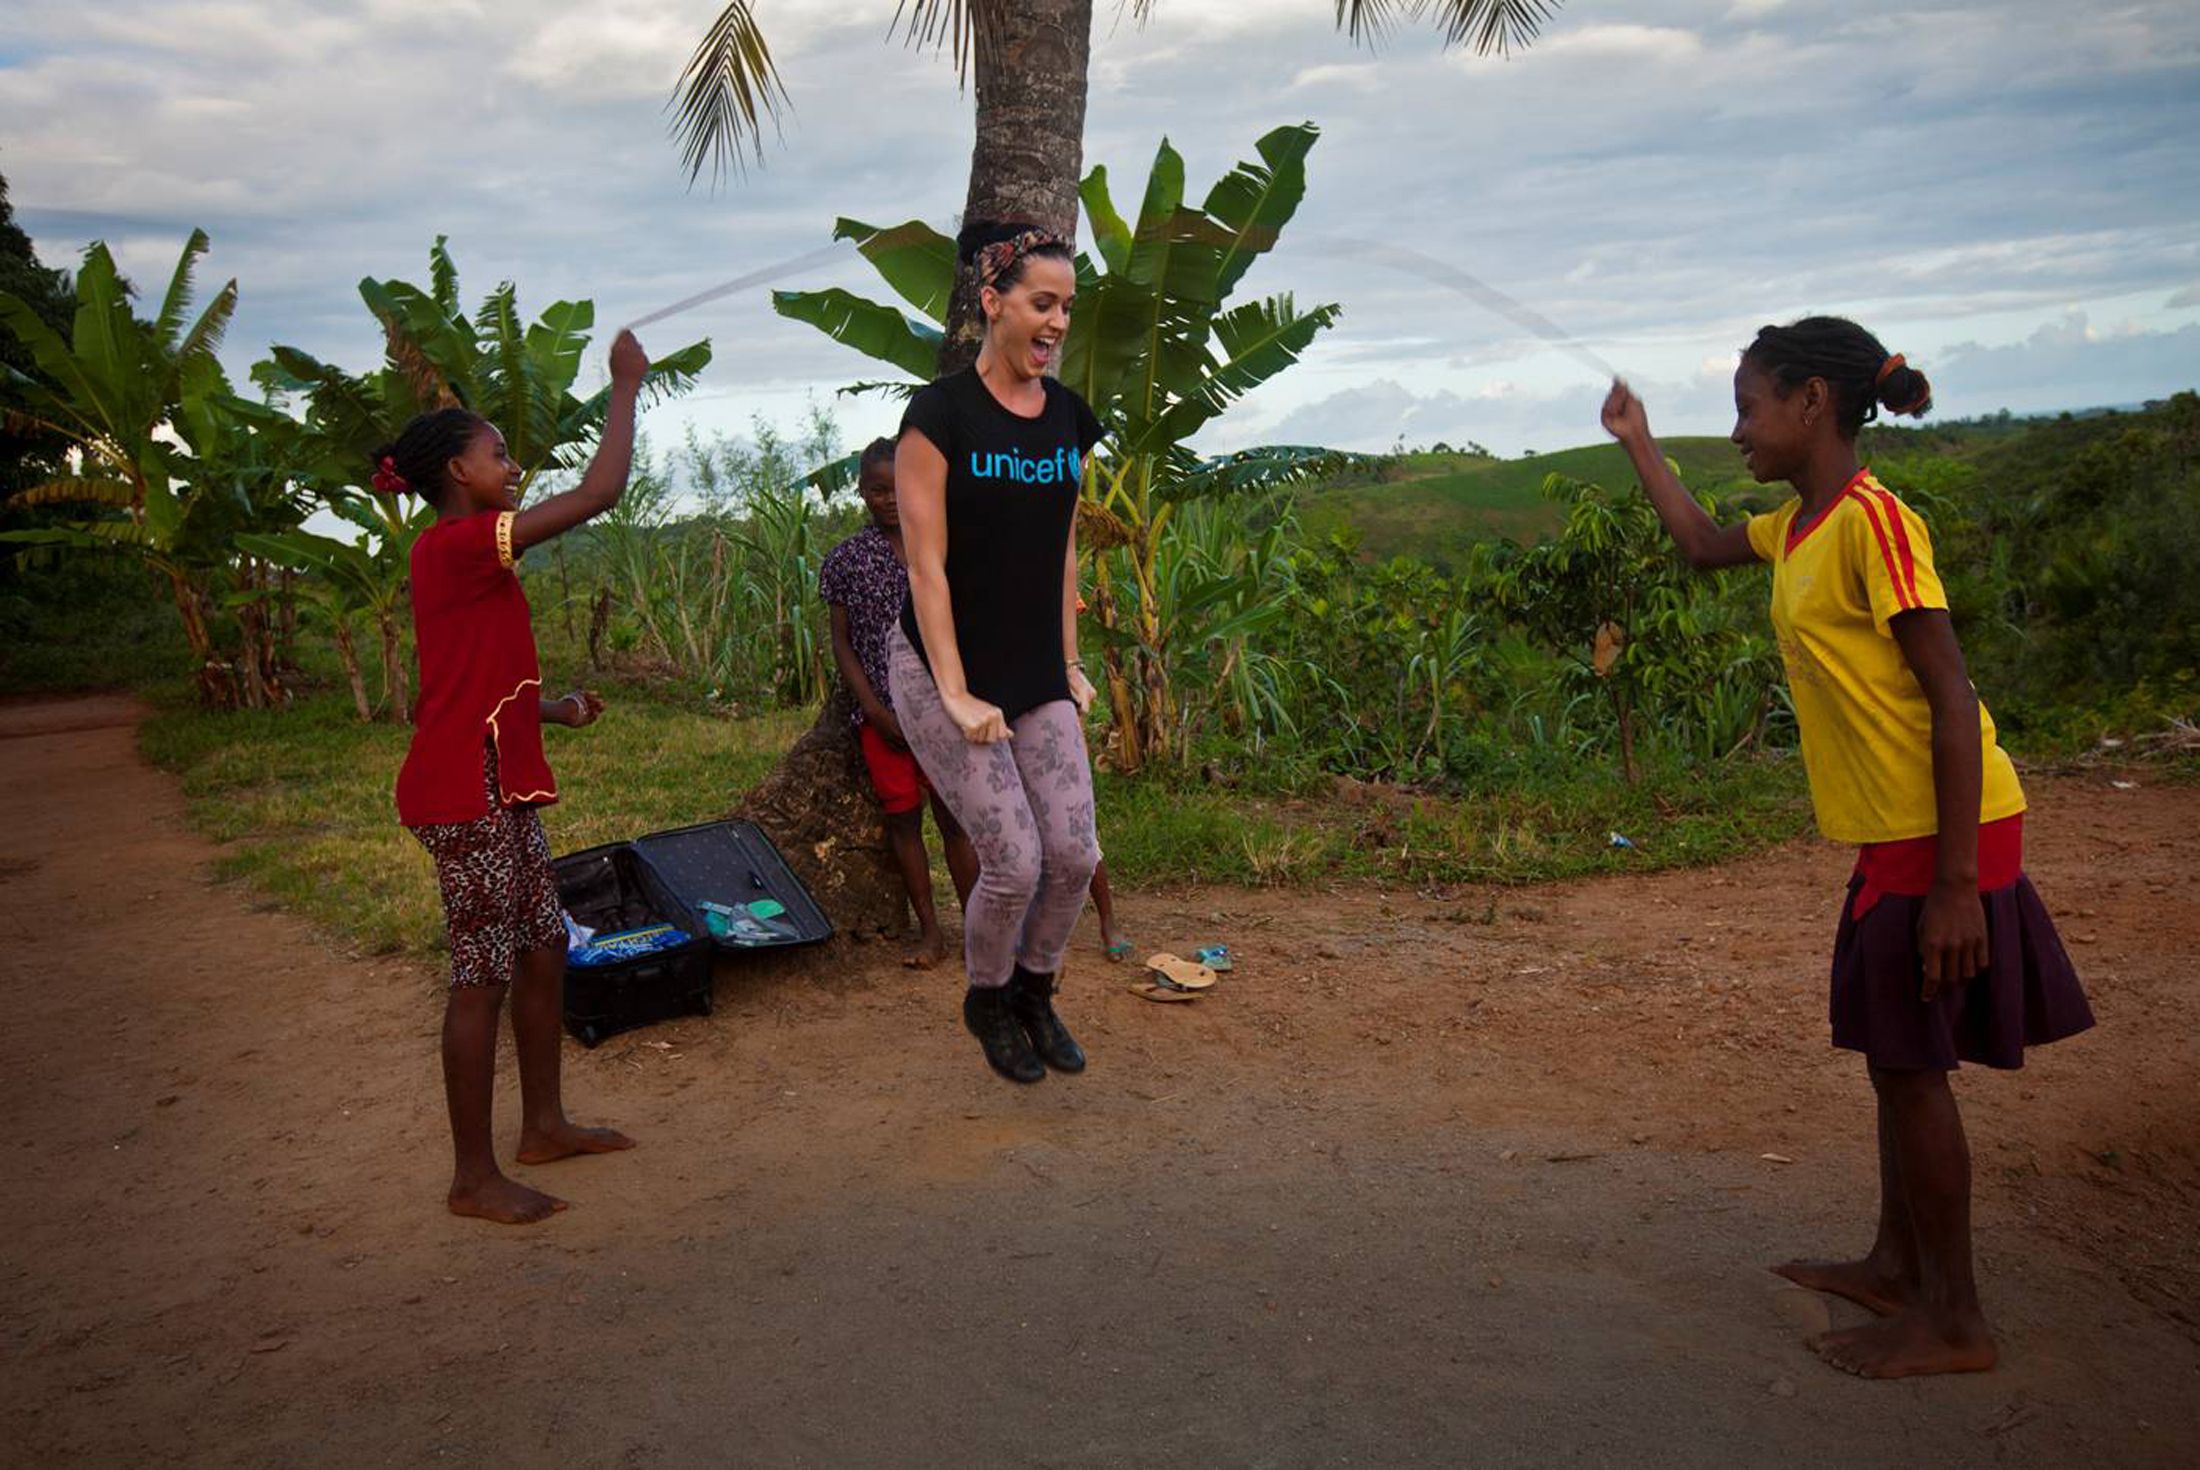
895 774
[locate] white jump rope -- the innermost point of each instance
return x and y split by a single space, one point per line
1395 257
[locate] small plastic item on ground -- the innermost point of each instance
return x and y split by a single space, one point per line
1215 957
628 944
1178 973
1158 990
1619 840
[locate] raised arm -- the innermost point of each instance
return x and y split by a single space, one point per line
605 479
920 490
1707 544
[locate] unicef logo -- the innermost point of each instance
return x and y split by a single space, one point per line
1063 464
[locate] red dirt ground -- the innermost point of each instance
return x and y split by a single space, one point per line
1473 1176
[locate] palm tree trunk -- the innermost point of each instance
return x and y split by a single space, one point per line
1030 66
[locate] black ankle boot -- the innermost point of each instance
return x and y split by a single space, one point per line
1031 1000
987 1016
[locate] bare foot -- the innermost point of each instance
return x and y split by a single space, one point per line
929 950
565 1139
1910 1343
506 1201
1859 1281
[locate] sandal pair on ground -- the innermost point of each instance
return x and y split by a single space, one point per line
1171 979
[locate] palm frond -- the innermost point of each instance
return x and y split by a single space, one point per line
964 26
79 490
884 387
205 337
1492 25
721 100
1266 468
178 299
443 275
1487 25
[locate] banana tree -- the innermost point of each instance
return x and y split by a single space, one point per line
365 575
519 376
167 462
1158 351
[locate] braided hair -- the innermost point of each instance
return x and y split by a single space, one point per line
416 459
1853 363
873 452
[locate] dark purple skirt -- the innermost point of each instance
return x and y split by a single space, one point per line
2028 994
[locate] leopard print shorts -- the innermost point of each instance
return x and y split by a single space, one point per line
500 895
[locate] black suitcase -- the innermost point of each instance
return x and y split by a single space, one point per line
610 888
731 864
666 877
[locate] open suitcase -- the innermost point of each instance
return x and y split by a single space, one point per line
704 880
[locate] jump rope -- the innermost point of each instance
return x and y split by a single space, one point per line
1373 252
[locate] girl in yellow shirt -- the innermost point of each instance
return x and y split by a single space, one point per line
1945 953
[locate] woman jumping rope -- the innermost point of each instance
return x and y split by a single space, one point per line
475 774
1944 953
983 665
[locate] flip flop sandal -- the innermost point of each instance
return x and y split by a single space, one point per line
1215 957
1118 951
1180 974
1156 990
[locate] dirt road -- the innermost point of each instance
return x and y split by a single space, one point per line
1473 1177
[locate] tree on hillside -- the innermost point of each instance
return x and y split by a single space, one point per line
27 457
168 464
1030 59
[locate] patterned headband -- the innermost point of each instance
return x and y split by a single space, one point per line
1000 257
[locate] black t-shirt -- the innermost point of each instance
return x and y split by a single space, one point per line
1012 486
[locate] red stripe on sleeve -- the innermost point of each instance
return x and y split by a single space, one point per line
1901 538
1903 602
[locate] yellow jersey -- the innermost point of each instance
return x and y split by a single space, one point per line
1838 583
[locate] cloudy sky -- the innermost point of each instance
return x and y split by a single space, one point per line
2008 192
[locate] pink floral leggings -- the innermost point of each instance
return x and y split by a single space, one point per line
1027 805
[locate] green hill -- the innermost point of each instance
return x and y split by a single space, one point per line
1434 506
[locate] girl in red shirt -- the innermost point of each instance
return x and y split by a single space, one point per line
475 774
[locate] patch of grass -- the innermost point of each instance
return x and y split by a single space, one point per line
302 798
1511 827
301 801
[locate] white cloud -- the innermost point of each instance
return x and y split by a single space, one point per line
1626 40
1358 76
622 48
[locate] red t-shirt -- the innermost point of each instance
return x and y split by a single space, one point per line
1907 868
478 676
